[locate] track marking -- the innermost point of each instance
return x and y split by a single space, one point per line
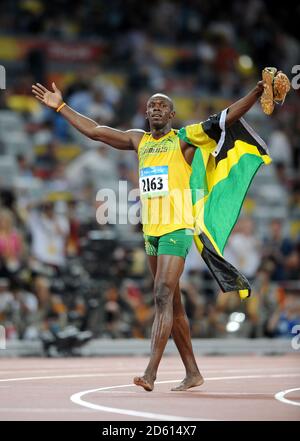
280 396
162 371
203 393
77 398
39 410
147 414
116 374
57 377
249 377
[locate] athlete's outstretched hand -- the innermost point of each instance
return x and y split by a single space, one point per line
51 99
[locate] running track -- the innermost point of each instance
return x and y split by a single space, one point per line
236 388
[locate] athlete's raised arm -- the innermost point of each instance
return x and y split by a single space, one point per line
122 140
240 107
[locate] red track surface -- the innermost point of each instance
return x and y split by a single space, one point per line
236 388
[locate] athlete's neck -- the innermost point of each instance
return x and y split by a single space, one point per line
158 133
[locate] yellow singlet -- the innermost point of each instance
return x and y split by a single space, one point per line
164 177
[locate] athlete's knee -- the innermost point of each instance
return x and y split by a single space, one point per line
163 294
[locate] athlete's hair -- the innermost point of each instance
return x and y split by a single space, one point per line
165 97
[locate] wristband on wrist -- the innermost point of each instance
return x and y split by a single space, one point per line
60 107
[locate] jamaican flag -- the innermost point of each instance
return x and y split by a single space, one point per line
222 171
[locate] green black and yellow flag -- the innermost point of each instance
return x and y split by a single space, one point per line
222 171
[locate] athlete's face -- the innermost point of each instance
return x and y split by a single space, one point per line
159 111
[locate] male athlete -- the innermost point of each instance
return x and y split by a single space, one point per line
165 157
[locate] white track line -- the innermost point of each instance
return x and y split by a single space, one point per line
116 374
57 377
56 410
203 393
249 377
77 398
280 396
206 370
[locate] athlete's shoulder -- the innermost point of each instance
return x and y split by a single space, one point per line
136 136
142 134
136 131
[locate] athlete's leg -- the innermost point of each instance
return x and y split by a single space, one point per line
168 272
152 261
182 338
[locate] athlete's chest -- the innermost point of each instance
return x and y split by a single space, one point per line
166 150
162 166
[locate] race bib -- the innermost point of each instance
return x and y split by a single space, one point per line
154 181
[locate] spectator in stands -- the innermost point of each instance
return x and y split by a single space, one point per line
292 264
51 313
24 168
112 314
141 313
243 248
49 232
286 317
190 50
73 240
11 244
280 146
94 165
26 305
7 308
265 298
47 161
277 247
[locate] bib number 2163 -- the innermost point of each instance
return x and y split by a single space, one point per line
154 181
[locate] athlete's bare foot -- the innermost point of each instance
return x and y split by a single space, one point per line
188 382
146 382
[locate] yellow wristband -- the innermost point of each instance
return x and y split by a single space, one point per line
60 107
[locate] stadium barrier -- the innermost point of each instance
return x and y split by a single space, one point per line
139 347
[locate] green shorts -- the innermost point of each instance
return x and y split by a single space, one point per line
176 243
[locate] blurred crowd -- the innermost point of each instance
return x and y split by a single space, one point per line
61 266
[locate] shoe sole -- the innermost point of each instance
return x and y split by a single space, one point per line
267 98
281 87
